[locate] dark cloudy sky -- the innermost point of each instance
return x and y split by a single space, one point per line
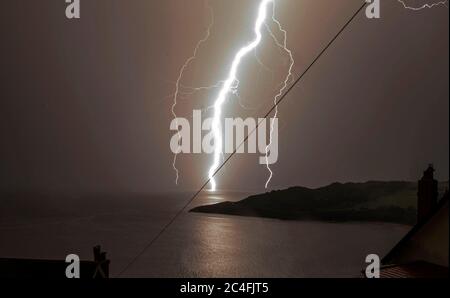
85 104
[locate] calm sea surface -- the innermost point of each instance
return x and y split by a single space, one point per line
196 245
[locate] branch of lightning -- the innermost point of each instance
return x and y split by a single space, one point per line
424 6
178 86
231 84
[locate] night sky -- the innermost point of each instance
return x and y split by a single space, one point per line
85 104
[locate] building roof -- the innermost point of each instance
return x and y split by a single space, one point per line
388 258
418 269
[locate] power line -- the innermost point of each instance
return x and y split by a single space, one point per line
244 141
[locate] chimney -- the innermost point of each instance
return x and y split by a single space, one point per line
427 195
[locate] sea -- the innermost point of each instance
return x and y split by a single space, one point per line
194 245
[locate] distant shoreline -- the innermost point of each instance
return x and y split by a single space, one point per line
374 201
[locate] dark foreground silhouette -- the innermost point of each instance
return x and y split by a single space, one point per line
371 201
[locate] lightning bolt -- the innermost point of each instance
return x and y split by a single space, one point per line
178 86
228 87
282 89
424 6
